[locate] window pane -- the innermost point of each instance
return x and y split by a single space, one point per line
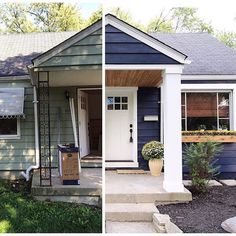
117 106
202 111
224 124
223 99
8 126
117 99
183 111
109 100
124 99
124 106
110 107
198 123
183 98
183 124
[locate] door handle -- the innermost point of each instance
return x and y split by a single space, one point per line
131 133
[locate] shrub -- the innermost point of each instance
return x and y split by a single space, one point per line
199 158
153 150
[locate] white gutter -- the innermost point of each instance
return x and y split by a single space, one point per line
26 174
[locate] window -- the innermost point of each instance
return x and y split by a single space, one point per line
117 103
205 110
9 128
11 110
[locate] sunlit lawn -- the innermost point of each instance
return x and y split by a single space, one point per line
19 214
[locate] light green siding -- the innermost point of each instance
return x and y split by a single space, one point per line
18 154
87 51
60 117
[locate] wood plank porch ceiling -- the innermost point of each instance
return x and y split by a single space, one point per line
133 78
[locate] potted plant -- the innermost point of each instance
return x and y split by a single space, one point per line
153 152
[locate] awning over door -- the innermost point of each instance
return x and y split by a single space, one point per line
11 103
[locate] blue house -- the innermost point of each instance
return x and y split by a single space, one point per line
160 84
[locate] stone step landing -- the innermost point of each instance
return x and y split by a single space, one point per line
128 212
129 227
157 198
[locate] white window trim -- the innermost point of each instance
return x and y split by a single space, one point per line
13 136
212 91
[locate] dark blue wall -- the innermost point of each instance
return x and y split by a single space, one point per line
148 104
226 160
121 48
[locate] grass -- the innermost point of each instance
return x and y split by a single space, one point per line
22 214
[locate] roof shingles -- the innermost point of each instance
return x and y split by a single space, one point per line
208 56
17 50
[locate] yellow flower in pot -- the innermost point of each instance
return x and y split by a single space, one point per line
153 152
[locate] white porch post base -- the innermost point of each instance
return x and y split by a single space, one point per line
173 186
172 132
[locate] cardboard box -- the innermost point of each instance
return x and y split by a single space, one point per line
69 166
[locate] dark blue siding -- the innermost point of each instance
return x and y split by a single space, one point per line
121 48
226 160
148 104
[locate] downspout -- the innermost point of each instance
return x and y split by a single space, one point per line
26 174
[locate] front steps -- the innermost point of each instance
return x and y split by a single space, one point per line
91 161
88 192
131 201
130 211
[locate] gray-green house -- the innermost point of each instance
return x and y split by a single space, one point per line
38 72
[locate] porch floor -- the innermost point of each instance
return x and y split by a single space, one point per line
140 188
89 191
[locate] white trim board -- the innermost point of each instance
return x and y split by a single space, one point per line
171 69
121 164
145 38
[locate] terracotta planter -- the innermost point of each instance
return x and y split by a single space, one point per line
155 166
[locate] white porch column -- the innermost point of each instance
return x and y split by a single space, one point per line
172 132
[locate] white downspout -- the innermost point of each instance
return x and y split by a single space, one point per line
26 174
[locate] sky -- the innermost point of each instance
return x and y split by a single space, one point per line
220 13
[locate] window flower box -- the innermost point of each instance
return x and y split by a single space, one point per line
209 135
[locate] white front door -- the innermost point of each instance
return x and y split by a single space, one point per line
83 123
120 126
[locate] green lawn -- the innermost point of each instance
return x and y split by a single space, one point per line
20 214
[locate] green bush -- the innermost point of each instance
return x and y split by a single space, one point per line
153 150
199 157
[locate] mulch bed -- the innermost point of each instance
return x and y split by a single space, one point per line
206 212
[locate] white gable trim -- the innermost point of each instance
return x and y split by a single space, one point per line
67 43
150 41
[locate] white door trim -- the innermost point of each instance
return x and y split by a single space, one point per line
134 163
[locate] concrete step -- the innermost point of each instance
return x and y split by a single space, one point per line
130 212
129 227
158 198
91 163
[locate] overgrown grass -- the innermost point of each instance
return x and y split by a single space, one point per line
20 214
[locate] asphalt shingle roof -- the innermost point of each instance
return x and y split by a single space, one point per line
17 50
208 56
